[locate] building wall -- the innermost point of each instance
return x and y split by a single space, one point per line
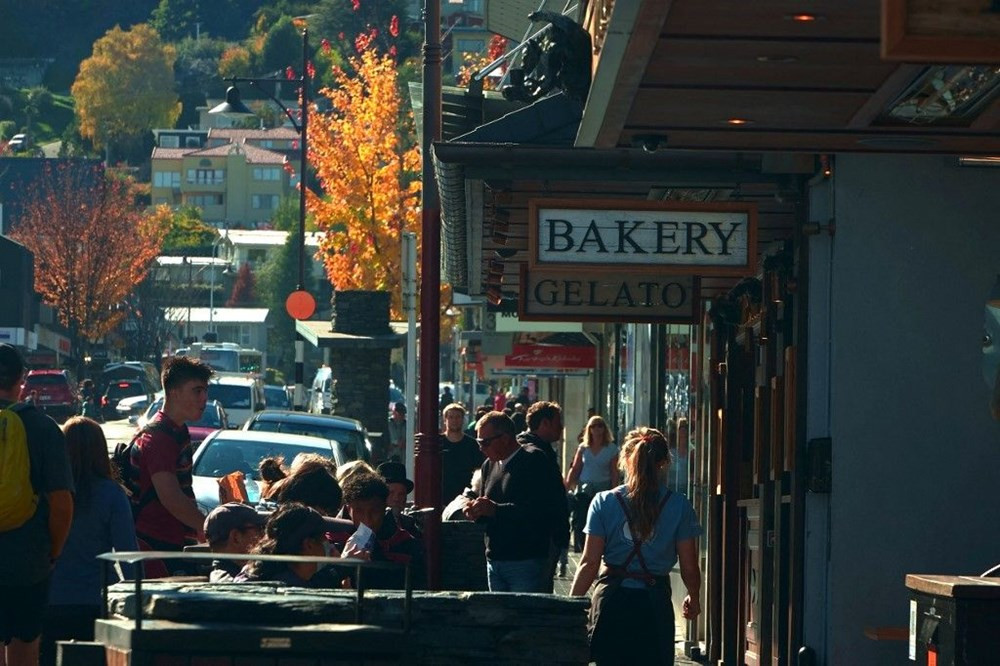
915 452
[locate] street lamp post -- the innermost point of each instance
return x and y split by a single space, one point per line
300 303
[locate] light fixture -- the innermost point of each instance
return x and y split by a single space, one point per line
736 122
233 106
803 17
783 59
494 271
505 252
501 226
984 161
649 143
494 296
949 95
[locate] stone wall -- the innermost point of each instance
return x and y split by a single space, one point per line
447 627
360 312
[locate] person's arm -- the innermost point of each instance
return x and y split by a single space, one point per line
60 519
590 563
180 506
122 528
573 473
615 474
687 555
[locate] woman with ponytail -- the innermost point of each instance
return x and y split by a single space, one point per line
639 530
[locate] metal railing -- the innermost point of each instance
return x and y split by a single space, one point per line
136 557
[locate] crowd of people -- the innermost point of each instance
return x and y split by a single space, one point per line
501 470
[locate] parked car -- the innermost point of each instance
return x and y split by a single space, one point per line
53 391
321 395
241 396
227 451
213 418
351 436
19 143
134 407
277 397
124 388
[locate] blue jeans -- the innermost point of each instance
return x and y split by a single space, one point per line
516 575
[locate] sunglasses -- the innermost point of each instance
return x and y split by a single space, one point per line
485 441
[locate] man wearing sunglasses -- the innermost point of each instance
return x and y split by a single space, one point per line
520 487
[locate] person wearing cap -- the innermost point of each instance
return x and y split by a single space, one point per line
397 433
232 528
27 552
400 487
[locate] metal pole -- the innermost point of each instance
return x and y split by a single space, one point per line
211 290
427 459
409 260
300 389
187 260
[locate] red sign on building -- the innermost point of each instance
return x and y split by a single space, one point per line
551 356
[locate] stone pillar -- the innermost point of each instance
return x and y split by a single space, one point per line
361 365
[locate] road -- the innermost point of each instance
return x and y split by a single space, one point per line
117 431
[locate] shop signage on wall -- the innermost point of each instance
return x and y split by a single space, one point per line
551 356
651 236
574 295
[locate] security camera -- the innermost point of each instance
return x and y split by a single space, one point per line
649 143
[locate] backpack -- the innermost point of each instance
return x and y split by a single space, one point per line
18 499
128 472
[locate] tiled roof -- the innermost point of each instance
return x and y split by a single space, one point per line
254 154
236 135
171 153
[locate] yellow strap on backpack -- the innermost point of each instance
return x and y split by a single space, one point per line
18 500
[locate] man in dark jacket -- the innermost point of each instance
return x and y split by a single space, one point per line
545 427
520 490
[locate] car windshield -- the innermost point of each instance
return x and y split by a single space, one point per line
276 397
209 418
45 380
230 396
223 456
352 442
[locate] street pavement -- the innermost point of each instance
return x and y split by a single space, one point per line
117 431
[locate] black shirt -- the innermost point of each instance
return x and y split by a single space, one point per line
458 462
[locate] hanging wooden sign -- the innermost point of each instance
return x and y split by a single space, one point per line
571 295
643 236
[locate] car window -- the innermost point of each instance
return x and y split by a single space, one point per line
221 457
351 443
230 396
120 390
209 418
276 397
46 380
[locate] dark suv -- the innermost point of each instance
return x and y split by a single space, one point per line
53 391
119 389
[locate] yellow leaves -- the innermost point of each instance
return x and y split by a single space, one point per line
368 175
126 87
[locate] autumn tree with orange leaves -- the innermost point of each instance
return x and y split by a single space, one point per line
370 177
92 244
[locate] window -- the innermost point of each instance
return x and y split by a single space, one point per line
192 141
266 173
244 336
266 143
204 200
166 179
256 255
264 201
169 141
206 176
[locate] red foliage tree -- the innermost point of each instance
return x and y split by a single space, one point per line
92 244
244 288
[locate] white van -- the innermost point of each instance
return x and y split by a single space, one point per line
239 395
321 393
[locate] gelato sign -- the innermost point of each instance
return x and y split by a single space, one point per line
567 295
707 239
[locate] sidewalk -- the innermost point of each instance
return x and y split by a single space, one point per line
562 587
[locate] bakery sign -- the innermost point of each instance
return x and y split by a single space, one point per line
616 234
551 356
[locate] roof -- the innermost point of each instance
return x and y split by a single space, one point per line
265 237
275 415
271 438
254 154
170 153
172 260
221 316
238 135
232 379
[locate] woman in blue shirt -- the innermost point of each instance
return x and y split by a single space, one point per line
102 522
640 530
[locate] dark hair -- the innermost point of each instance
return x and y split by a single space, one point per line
365 487
272 469
11 367
644 452
88 454
177 370
284 533
499 422
313 486
541 411
520 423
482 411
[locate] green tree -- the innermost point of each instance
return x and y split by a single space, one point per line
175 19
276 279
126 87
385 23
185 230
282 46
